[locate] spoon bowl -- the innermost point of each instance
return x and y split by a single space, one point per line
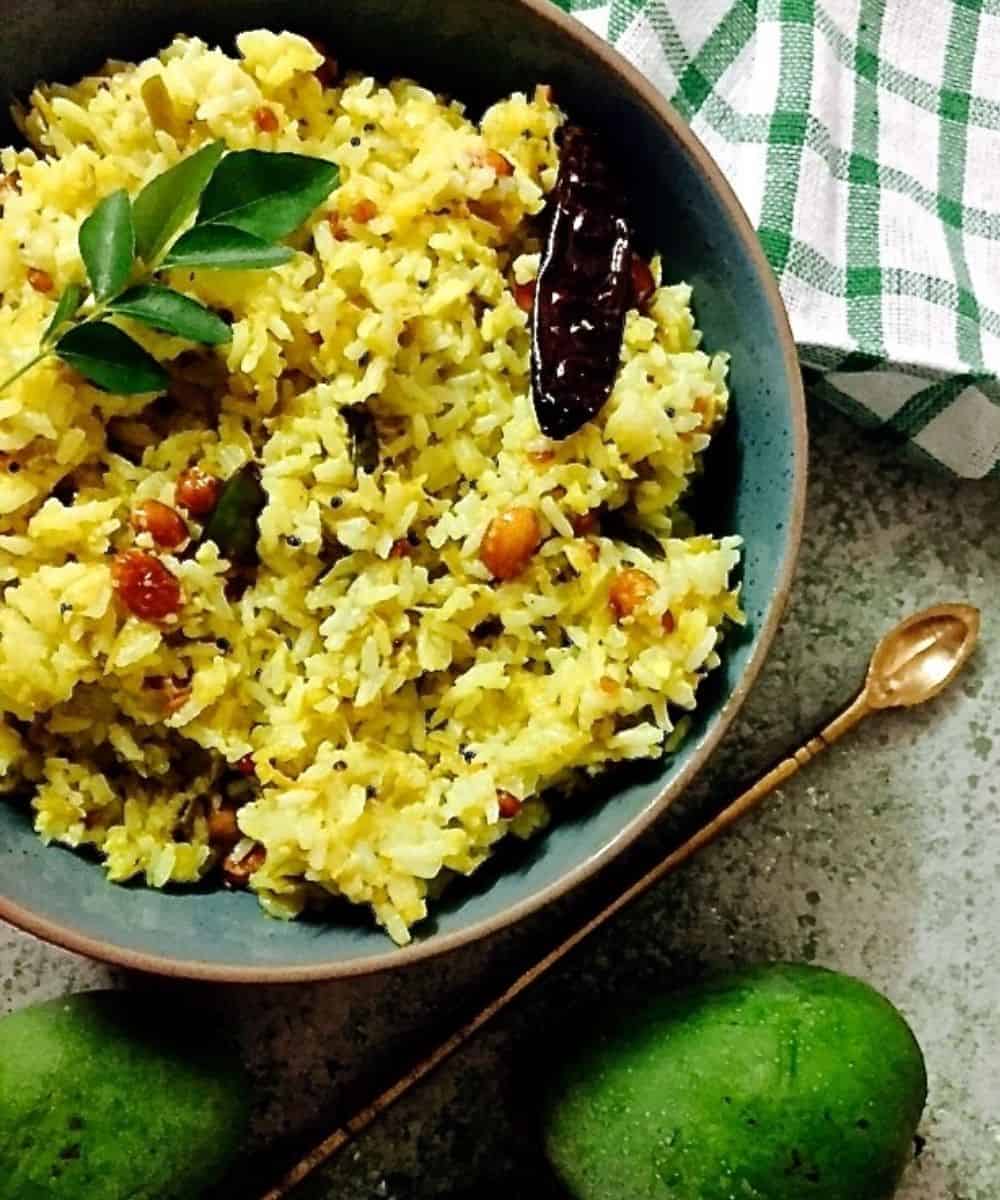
918 658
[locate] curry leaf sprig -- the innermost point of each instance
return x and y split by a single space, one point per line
243 204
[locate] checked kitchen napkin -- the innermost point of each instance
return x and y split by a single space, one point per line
863 138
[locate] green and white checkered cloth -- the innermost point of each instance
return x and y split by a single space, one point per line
863 138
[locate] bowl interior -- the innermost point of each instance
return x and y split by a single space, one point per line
477 50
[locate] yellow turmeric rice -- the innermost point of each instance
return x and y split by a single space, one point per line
372 709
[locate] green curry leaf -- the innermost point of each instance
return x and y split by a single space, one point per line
233 523
170 312
363 434
69 302
616 524
108 358
264 194
222 248
167 201
245 202
107 244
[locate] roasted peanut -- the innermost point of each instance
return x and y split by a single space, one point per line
585 523
223 829
237 871
146 587
630 589
266 120
40 280
509 804
510 541
164 524
363 211
500 165
197 491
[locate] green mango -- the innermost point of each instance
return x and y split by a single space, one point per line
115 1096
774 1083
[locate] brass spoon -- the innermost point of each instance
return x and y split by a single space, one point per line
913 662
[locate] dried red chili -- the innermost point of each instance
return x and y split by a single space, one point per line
584 290
247 766
329 70
643 283
524 296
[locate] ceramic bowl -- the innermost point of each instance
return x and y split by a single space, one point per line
477 50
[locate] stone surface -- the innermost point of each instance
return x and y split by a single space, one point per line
882 860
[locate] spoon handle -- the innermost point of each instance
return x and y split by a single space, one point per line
719 824
855 712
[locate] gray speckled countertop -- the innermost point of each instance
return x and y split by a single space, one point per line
882 860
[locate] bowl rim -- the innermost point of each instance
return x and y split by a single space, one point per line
436 945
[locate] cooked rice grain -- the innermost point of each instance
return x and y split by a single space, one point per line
385 697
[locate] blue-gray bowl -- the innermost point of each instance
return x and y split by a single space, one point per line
477 50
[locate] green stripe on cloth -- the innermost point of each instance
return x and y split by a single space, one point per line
719 51
787 132
863 277
726 121
674 51
820 387
862 138
623 13
922 408
958 64
808 264
903 83
833 362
